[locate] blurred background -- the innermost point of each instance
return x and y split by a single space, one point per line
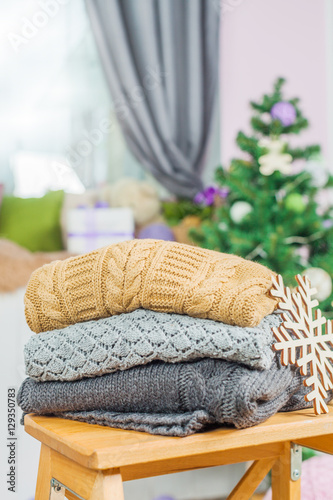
114 124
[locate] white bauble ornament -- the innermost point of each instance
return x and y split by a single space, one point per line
320 280
239 210
318 172
274 159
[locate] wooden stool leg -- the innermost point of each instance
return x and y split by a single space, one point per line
108 486
44 474
283 488
251 479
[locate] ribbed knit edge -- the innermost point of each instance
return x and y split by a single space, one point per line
190 422
235 414
77 279
31 316
22 398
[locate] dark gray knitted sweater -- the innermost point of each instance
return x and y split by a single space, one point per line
121 342
171 399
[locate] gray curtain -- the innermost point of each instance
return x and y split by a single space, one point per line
161 62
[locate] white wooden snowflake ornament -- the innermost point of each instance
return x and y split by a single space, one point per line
302 339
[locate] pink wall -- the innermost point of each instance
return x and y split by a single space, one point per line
264 39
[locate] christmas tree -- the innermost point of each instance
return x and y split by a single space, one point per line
273 211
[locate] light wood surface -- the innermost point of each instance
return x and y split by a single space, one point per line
108 486
251 479
44 474
93 461
283 488
88 483
100 447
78 478
320 443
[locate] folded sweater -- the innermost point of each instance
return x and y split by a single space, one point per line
159 275
170 399
97 347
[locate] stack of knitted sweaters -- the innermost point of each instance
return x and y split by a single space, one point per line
155 336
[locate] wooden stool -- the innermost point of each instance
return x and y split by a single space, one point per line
91 461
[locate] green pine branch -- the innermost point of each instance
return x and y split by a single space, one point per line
284 218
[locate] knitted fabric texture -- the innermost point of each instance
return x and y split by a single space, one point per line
94 348
159 275
170 399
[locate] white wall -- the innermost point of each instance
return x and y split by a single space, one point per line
265 39
14 334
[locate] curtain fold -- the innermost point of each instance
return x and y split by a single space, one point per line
161 62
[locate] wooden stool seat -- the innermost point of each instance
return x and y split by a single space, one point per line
91 461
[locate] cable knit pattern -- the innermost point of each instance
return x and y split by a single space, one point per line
151 274
171 399
120 342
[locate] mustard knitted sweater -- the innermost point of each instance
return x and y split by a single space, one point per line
151 274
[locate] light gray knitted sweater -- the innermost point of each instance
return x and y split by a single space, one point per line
121 342
171 399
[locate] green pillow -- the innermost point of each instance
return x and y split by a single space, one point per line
33 223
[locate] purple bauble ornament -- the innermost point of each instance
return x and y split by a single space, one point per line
156 232
285 112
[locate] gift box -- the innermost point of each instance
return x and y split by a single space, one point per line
92 228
